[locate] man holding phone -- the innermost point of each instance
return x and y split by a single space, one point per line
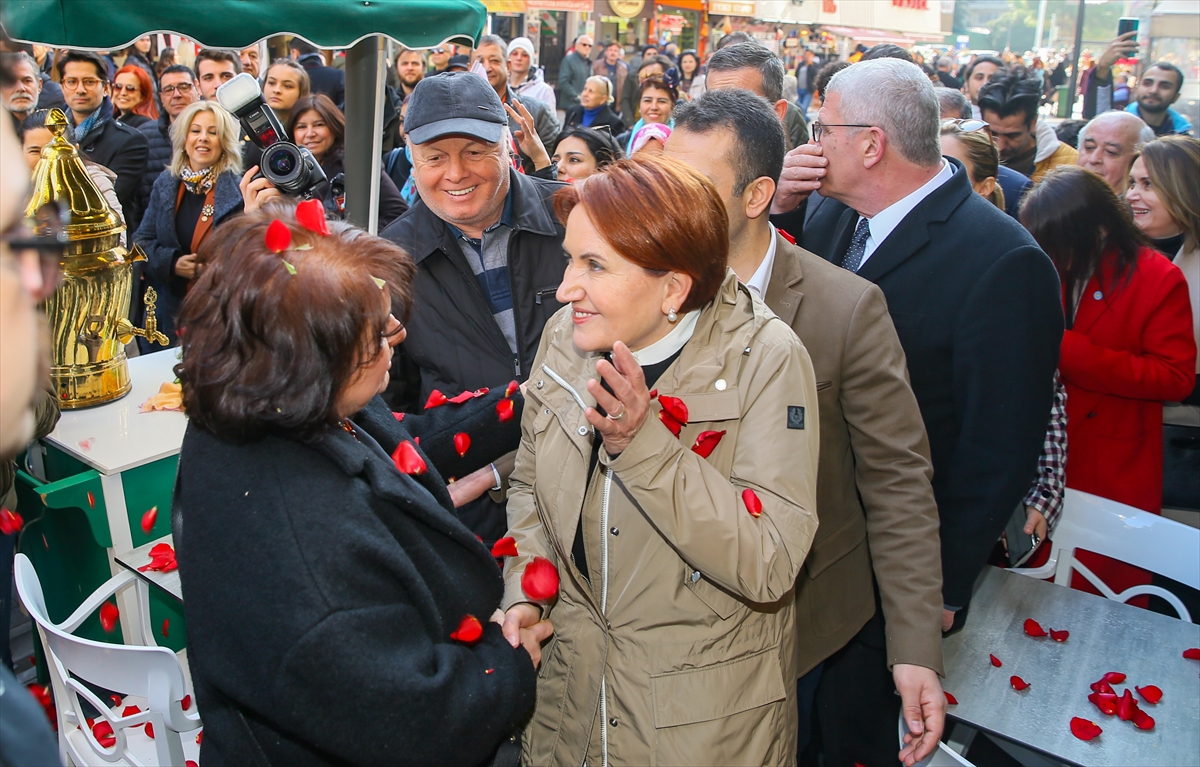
1098 95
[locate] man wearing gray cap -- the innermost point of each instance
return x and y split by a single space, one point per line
487 246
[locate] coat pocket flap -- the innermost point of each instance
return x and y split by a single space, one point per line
840 541
717 691
713 406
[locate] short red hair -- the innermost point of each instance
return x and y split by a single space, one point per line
146 106
661 215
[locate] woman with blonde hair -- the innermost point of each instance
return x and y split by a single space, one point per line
968 142
197 191
595 107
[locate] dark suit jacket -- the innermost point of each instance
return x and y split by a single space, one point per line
327 80
874 497
606 117
977 306
123 150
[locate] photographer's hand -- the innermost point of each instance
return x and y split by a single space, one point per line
256 191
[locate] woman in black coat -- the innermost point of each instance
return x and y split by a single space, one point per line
338 611
196 193
595 107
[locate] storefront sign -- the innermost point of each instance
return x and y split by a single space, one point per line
829 6
504 6
578 6
718 7
627 9
920 5
670 23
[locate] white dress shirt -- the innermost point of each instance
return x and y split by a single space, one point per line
885 221
762 275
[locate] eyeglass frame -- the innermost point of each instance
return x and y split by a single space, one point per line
128 87
816 128
959 122
184 88
71 83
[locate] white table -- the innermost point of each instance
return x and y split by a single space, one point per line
1105 636
116 437
140 557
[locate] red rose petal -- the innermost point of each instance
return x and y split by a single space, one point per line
1102 687
469 631
150 730
190 763
753 505
278 237
148 519
199 735
995 661
1126 705
511 389
458 399
654 394
91 499
1106 706
1142 720
436 399
1084 729
1114 677
504 410
310 214
505 547
166 627
540 580
953 701
1150 693
399 416
674 407
462 443
1033 628
489 671
130 711
1059 636
706 442
480 392
1192 653
407 459
186 703
670 423
116 700
108 617
1018 683
10 522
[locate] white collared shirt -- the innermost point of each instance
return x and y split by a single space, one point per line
671 342
762 275
885 221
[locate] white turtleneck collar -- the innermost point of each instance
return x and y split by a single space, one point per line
671 342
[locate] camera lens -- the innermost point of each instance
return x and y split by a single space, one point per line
282 162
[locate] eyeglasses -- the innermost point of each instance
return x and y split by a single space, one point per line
43 239
129 88
437 50
583 45
71 83
818 128
963 125
183 88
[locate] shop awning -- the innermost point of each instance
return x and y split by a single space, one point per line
875 36
115 24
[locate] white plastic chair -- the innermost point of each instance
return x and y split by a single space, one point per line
152 677
942 756
1122 532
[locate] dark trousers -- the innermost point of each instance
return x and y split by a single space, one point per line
855 709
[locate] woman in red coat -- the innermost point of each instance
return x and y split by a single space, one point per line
1128 346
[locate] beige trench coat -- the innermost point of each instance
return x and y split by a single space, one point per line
680 650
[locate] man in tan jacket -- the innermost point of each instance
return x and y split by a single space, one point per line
874 498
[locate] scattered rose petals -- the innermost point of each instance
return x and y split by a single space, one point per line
130 711
504 410
278 237
540 580
310 214
169 397
1106 706
462 443
1018 683
670 423
103 732
469 631
91 499
108 617
186 703
995 661
675 407
706 442
1084 729
510 390
407 459
1142 720
1192 653
505 547
953 701
1126 705
1059 636
1102 686
1114 677
399 416
1033 628
436 399
150 730
162 559
458 399
10 522
1150 693
149 518
753 504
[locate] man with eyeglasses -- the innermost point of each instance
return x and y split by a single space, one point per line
121 149
178 90
439 59
573 73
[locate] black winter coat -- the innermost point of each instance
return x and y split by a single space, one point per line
321 588
453 337
157 237
606 117
158 138
122 150
327 80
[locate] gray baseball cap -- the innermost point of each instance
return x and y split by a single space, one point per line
453 104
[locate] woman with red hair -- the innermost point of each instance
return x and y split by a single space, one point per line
133 96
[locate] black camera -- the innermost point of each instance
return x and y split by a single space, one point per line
292 169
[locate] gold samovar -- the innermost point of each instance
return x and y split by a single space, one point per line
88 326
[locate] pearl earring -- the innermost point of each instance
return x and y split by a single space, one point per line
672 316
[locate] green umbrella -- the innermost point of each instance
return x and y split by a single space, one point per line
114 24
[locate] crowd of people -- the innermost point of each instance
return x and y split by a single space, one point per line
759 531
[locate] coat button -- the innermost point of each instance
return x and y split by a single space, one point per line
615 531
695 575
720 384
612 722
1097 295
540 384
546 411
582 431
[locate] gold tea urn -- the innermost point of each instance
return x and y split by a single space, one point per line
88 325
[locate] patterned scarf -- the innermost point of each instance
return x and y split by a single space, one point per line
197 182
94 120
